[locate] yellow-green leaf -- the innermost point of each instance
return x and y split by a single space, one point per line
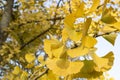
88 71
86 26
24 76
30 57
16 70
107 29
30 65
110 38
69 20
103 63
59 52
107 17
116 25
80 10
51 76
76 52
51 44
40 58
89 41
71 34
63 67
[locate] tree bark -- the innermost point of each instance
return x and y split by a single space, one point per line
4 23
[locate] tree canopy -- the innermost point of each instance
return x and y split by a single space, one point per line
55 39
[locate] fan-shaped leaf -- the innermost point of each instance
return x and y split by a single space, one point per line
30 57
110 38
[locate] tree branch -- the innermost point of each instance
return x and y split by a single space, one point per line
41 74
37 21
4 23
24 45
54 21
6 18
98 35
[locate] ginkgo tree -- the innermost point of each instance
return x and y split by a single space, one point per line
55 39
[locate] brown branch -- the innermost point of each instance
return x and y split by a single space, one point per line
34 21
37 21
6 18
24 45
57 18
98 35
56 11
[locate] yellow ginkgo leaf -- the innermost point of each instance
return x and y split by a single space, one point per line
56 65
107 17
103 63
51 76
51 44
47 47
40 58
89 41
88 66
30 65
80 10
30 57
75 36
110 38
76 52
59 52
16 70
71 34
107 29
24 76
116 25
86 27
69 21
44 77
54 48
64 35
88 71
94 5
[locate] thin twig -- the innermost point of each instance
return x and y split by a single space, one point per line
70 10
37 21
98 35
41 74
36 37
34 74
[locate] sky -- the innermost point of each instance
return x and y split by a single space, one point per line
103 48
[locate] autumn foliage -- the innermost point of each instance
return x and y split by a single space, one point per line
55 39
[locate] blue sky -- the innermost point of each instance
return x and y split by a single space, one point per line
104 47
